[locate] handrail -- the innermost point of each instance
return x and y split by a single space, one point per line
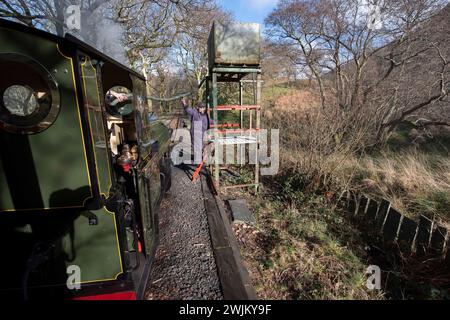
186 94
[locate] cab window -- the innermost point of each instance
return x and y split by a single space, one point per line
30 104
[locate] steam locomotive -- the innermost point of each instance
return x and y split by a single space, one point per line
84 164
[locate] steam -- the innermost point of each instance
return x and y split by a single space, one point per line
109 37
99 30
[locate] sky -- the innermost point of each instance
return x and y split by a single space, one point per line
249 10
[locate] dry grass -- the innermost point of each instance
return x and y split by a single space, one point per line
301 250
414 181
298 101
413 176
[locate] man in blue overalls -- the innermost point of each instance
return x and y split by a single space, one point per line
199 125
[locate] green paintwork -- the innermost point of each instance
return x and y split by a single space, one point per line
159 132
5 195
57 153
142 122
61 169
96 249
97 125
149 183
54 174
147 214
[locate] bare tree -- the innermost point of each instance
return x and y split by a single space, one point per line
47 14
191 53
149 27
152 26
362 57
279 61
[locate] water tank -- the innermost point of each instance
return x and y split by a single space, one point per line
234 44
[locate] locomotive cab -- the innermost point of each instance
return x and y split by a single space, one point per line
81 175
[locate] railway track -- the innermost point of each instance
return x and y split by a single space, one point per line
184 266
197 257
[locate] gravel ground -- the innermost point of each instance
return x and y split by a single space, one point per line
184 267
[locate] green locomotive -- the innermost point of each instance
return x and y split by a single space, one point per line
82 172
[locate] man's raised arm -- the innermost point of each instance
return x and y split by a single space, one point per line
189 110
